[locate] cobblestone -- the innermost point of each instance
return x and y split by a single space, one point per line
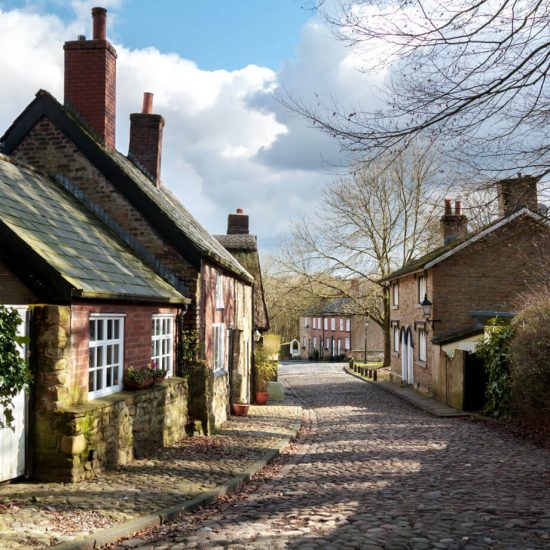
371 471
36 515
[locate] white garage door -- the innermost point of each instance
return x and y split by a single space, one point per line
13 442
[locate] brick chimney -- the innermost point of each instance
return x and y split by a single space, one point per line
237 224
90 79
516 193
453 225
145 147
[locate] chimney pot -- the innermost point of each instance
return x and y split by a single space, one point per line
458 208
99 16
81 37
239 210
147 108
448 210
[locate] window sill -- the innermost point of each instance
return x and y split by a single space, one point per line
395 354
219 373
421 364
394 307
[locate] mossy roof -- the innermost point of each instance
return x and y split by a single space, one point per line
59 231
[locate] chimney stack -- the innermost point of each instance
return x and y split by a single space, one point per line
237 224
517 193
145 148
90 79
453 225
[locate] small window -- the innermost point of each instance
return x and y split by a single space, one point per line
326 323
327 344
319 322
313 322
395 294
396 338
422 344
348 325
306 322
422 288
339 347
106 355
347 343
341 325
315 342
219 346
219 291
333 323
162 343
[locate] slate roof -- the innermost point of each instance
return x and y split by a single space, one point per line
49 229
439 254
334 306
244 248
160 205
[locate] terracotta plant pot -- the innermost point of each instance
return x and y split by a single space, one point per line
240 409
132 384
261 397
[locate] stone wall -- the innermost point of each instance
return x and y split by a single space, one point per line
78 442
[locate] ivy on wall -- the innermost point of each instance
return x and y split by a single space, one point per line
14 371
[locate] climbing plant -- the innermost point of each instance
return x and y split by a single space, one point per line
495 353
14 371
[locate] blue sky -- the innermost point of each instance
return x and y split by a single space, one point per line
216 34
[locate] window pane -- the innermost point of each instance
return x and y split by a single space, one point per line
108 372
109 355
91 355
115 372
109 329
100 329
91 381
99 357
92 331
99 379
116 335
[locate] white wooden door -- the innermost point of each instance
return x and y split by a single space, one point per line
13 442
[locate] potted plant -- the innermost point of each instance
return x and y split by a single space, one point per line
266 371
139 379
240 407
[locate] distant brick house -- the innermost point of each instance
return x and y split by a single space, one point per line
472 277
330 331
93 307
74 143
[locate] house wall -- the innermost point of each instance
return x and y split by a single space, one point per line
73 438
491 274
375 339
236 315
12 290
408 313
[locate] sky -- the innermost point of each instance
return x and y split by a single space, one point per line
215 68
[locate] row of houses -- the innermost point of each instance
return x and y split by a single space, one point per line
111 271
441 302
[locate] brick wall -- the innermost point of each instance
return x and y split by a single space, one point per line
137 337
146 143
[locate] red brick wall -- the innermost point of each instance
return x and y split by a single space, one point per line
146 142
90 84
137 335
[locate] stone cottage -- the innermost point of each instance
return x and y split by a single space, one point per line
93 308
75 144
470 278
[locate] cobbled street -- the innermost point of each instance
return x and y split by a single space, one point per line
370 471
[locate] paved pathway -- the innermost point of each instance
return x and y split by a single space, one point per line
36 515
370 471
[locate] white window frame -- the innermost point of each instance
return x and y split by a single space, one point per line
328 344
395 294
304 341
103 345
341 325
339 347
219 291
347 343
422 344
396 338
313 322
422 287
333 323
326 323
348 325
218 346
306 322
315 342
162 344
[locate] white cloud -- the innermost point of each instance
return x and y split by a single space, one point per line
227 143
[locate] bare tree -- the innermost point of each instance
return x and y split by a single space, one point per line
468 74
365 226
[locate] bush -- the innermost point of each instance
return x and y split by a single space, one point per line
14 372
530 369
266 368
495 353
